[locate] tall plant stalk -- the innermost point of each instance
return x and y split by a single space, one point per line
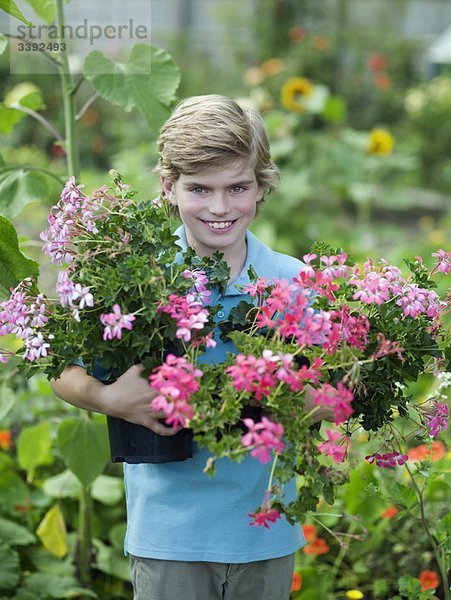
71 147
67 88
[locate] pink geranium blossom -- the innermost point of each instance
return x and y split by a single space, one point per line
339 398
262 517
331 448
115 322
176 380
263 436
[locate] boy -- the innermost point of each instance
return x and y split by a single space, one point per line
189 535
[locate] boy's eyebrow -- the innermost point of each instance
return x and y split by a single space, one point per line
235 183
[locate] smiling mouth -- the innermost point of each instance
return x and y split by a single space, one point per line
219 224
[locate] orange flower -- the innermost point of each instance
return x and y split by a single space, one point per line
254 76
429 580
272 66
297 582
382 81
321 42
390 512
422 452
317 546
296 34
5 439
309 532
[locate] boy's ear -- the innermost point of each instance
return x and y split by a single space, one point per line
260 193
168 188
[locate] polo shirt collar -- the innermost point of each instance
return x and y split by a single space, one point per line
260 256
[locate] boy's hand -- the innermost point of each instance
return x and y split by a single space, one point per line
129 398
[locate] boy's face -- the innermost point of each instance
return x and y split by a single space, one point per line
216 205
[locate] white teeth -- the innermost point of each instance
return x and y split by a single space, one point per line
219 225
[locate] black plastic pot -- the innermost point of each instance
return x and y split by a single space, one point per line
135 444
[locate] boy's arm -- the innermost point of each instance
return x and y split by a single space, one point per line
128 398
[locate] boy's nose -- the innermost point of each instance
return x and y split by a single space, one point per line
219 204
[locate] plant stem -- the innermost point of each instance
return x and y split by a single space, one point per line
438 551
68 100
84 535
38 117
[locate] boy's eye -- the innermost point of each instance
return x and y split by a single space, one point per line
197 190
237 189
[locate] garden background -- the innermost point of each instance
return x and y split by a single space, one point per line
356 96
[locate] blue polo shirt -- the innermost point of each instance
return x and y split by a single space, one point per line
177 512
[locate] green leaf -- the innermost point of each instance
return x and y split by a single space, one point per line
14 266
3 43
13 534
7 399
84 446
63 485
108 490
49 586
19 186
10 568
148 81
111 561
25 94
11 8
44 9
335 109
8 118
52 532
13 491
34 447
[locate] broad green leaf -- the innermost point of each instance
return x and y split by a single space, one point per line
111 561
13 534
14 266
10 568
108 490
63 485
25 94
8 118
46 585
52 532
20 186
3 43
44 9
84 446
44 562
335 109
34 447
116 535
11 8
13 491
7 399
148 81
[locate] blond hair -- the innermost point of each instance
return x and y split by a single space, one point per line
210 131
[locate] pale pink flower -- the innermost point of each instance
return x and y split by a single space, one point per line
331 448
339 398
443 261
114 323
263 436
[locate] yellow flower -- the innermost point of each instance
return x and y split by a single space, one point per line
294 91
380 142
354 595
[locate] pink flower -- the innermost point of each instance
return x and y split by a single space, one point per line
256 289
436 418
187 311
263 436
386 347
176 380
262 517
200 281
36 347
114 323
329 447
339 398
443 261
387 459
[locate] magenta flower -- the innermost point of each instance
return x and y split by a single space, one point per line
387 459
262 517
114 323
263 436
436 418
188 312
